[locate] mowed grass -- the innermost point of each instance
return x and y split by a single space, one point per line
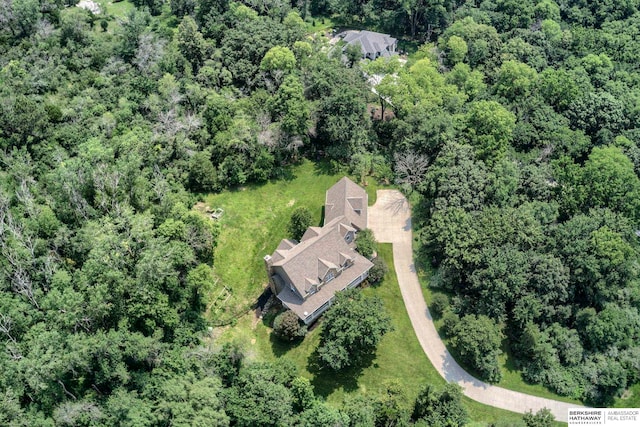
318 24
255 220
113 12
399 358
120 9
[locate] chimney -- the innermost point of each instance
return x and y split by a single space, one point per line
267 264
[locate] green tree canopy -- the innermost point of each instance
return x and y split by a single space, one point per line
352 329
477 340
301 219
490 129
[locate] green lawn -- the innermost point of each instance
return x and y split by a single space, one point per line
318 24
399 357
118 10
253 224
114 12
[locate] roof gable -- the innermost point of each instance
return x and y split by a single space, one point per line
310 260
348 199
370 41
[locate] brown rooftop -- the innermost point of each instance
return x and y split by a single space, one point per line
348 199
305 275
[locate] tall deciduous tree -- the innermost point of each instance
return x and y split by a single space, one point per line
191 43
490 129
477 340
609 180
352 329
301 219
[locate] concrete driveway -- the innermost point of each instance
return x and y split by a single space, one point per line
390 221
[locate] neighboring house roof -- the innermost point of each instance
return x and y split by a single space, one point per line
371 42
325 261
348 199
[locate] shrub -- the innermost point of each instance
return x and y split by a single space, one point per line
542 418
439 303
477 341
301 219
365 243
287 326
377 272
449 321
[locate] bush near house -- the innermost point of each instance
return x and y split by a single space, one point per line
377 272
366 243
287 327
301 219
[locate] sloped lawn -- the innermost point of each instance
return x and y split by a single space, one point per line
399 357
254 221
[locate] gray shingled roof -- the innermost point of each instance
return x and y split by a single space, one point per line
312 258
343 199
370 42
304 308
321 249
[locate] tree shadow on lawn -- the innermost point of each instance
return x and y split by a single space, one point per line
325 380
284 172
511 364
280 347
323 167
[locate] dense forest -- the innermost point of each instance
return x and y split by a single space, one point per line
515 127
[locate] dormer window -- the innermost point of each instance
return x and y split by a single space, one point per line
329 276
349 237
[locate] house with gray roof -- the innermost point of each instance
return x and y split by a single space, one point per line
372 44
305 275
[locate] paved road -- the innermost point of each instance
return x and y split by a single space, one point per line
390 220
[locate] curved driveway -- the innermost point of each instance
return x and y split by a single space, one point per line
390 221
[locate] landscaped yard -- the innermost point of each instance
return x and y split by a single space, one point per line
399 357
254 222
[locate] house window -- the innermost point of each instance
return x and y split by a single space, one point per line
330 276
349 237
